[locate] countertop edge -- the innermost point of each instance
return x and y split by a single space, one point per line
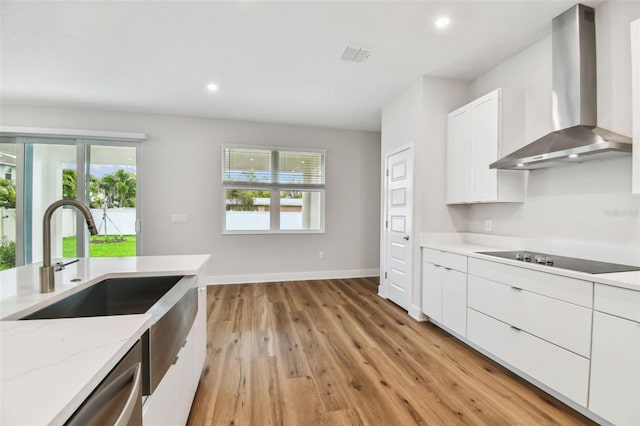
470 250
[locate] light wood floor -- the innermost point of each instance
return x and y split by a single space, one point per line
331 352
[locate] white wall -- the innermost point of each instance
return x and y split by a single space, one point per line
418 115
588 202
181 174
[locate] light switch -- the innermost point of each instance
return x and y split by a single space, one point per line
179 218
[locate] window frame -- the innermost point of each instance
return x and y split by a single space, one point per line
275 188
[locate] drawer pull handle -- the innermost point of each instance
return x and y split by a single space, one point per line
515 328
175 360
516 288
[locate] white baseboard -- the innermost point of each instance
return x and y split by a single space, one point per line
290 276
415 312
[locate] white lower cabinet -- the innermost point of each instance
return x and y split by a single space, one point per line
170 403
564 324
432 291
615 369
574 338
444 289
561 370
454 301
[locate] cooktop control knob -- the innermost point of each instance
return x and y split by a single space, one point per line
548 261
519 256
526 257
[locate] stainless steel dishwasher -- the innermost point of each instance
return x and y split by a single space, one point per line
118 398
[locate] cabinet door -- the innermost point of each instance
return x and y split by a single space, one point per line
432 291
485 125
615 369
454 300
458 133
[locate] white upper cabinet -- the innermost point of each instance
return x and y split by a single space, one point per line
479 133
635 89
458 141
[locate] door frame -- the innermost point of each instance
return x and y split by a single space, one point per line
382 288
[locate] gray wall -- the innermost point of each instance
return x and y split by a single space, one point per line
588 202
418 116
181 174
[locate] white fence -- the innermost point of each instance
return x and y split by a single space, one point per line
117 221
123 221
8 223
237 221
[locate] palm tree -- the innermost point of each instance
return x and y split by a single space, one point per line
69 184
120 188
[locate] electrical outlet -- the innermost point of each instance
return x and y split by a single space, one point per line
321 255
179 218
488 225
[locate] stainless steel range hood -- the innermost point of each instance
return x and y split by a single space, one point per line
576 137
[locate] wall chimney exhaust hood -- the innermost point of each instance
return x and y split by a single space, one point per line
576 137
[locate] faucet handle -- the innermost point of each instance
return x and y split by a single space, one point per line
59 266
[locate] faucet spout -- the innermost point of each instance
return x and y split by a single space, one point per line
47 277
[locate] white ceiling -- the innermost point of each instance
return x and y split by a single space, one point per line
274 61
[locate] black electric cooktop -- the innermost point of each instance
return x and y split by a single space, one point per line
571 263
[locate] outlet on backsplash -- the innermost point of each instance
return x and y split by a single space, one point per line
488 225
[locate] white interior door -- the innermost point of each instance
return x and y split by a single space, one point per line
398 225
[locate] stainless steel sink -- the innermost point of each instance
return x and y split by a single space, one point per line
172 302
116 296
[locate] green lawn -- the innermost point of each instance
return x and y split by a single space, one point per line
97 248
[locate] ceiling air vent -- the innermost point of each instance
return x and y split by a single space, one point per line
356 54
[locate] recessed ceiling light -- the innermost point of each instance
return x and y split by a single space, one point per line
212 87
520 164
442 22
573 156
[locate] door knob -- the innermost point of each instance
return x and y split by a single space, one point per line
406 237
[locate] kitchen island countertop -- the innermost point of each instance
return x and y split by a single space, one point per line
49 367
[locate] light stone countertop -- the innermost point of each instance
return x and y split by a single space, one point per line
456 244
49 367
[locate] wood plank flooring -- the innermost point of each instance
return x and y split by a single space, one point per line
331 352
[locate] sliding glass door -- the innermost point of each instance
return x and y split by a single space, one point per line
37 171
7 203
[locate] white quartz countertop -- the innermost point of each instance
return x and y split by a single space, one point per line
49 367
630 280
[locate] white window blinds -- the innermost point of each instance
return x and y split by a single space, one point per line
251 166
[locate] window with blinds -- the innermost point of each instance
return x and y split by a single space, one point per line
273 190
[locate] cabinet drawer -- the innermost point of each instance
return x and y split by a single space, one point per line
446 259
568 289
617 301
561 370
558 322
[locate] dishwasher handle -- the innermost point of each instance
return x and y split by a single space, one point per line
127 412
87 414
